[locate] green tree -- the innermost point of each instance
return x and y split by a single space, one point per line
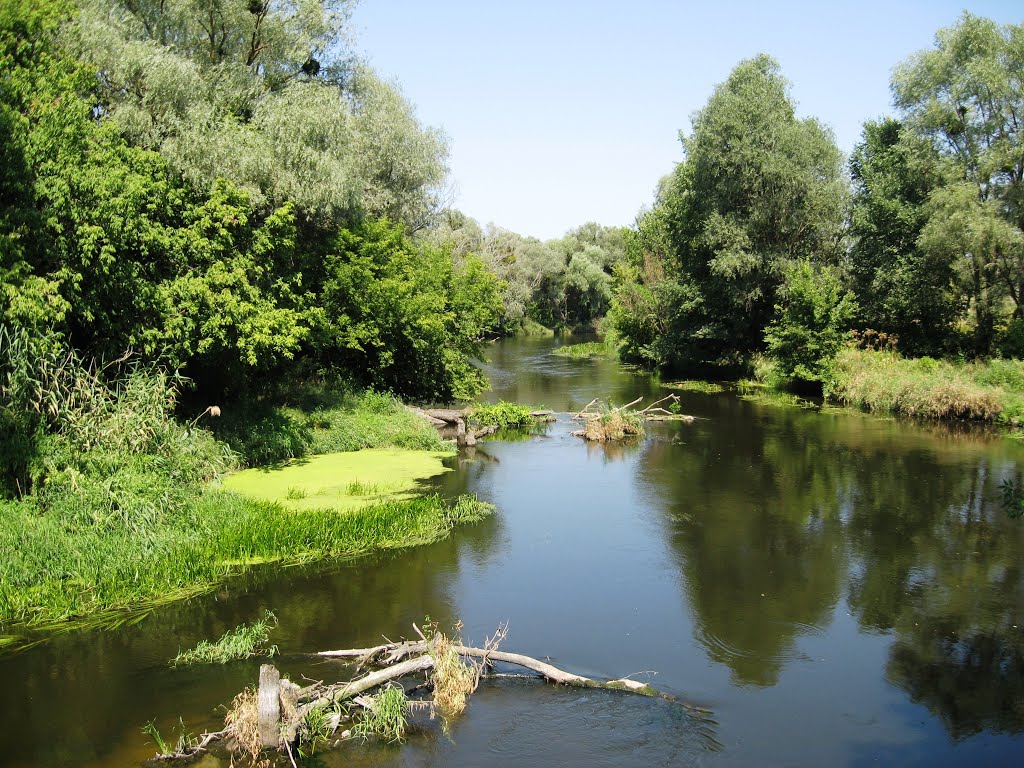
811 320
965 98
901 289
758 188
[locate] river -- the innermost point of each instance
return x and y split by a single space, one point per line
837 589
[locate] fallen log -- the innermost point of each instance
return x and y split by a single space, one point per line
276 714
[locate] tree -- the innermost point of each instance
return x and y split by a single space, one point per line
758 188
966 98
811 320
269 96
901 289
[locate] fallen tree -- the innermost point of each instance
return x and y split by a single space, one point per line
283 716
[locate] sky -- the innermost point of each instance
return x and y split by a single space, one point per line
563 112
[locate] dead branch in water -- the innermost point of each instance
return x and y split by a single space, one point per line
277 714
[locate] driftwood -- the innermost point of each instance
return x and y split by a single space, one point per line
283 706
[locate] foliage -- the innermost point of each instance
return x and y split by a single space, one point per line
267 95
900 289
324 416
502 414
180 193
563 283
964 98
403 319
242 642
758 188
810 322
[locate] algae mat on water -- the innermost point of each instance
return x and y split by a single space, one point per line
343 481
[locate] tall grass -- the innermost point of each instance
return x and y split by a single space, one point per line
883 381
586 350
242 642
58 570
116 511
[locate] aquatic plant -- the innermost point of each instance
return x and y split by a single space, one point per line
503 415
386 716
586 350
242 642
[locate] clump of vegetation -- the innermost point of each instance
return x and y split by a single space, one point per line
586 351
386 717
612 424
453 680
884 381
187 741
326 416
705 387
503 415
242 642
242 718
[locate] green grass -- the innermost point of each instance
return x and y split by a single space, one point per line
503 415
242 642
58 572
531 327
322 419
585 351
883 381
115 509
706 387
387 718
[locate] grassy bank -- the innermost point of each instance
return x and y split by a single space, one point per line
111 503
991 390
58 571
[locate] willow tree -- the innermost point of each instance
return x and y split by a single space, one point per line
758 188
966 98
269 96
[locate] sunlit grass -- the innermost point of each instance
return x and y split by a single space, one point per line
705 387
884 381
242 642
58 575
586 350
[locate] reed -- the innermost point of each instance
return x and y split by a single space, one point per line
242 642
883 381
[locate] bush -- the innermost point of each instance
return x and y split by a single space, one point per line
810 322
503 415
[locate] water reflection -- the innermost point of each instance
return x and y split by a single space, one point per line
839 589
777 518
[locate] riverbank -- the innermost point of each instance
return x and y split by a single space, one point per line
885 382
113 525
989 390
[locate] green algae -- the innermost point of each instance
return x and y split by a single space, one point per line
343 481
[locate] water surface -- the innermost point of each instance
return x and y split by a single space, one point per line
838 589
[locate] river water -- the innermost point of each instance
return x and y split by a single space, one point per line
836 589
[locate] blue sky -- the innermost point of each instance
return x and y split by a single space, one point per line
562 112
